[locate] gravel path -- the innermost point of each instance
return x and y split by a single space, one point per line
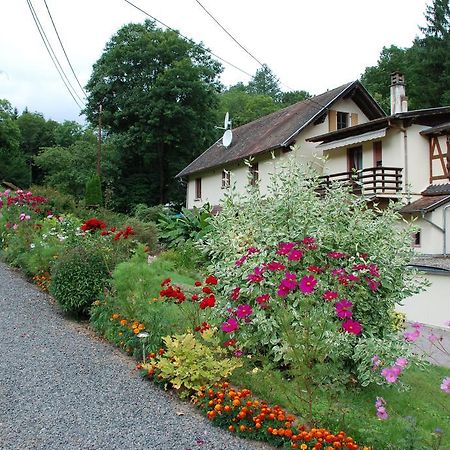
61 387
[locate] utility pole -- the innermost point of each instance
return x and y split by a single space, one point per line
99 142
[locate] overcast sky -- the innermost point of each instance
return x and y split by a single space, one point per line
310 45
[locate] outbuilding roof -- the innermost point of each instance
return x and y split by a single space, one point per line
425 204
278 130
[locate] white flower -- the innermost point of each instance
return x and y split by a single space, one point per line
32 245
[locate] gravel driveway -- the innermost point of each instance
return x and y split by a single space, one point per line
63 388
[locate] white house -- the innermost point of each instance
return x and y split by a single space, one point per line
403 156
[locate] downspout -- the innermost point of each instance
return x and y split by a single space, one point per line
405 149
445 229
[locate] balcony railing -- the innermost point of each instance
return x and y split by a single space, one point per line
367 182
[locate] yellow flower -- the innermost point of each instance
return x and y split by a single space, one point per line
115 316
141 327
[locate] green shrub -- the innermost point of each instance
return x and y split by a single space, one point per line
93 196
57 202
145 232
188 364
148 213
78 278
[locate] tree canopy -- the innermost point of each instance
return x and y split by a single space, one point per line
159 92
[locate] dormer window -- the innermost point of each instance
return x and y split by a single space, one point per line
342 120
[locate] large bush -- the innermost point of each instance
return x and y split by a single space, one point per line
78 279
311 281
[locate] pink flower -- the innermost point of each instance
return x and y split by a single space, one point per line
235 293
229 326
262 299
330 295
445 386
336 255
338 272
285 247
238 353
380 404
375 362
252 250
283 291
433 338
372 284
352 326
307 284
243 311
390 374
275 265
401 362
343 309
411 336
295 255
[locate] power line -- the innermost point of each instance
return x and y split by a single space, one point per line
64 50
229 34
188 39
53 55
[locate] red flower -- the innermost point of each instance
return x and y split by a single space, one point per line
211 280
207 290
165 281
352 326
197 283
93 224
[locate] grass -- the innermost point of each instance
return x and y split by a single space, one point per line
414 413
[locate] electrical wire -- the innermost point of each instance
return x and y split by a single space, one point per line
188 39
53 55
64 50
229 34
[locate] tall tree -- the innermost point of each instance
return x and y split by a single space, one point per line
36 133
431 62
158 91
265 83
13 166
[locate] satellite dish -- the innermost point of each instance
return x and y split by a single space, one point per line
227 138
226 122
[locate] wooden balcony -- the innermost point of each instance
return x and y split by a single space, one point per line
374 181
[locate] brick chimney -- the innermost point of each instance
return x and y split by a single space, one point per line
399 100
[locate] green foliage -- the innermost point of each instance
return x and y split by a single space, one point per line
164 126
78 279
265 83
425 64
147 213
93 196
189 364
13 167
57 202
176 228
69 168
300 328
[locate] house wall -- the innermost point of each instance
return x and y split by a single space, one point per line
431 307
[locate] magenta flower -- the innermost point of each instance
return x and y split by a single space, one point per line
275 265
372 284
352 326
288 283
235 293
445 386
343 310
243 311
336 255
229 326
252 250
373 270
307 284
262 299
314 269
309 242
283 291
338 272
330 295
285 247
295 255
241 261
255 278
